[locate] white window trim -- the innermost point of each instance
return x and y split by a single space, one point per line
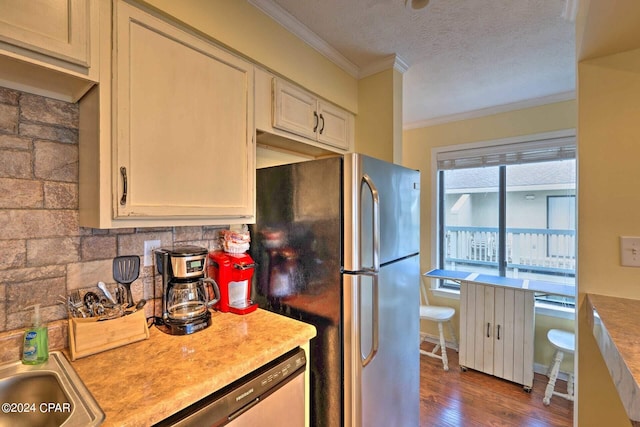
541 308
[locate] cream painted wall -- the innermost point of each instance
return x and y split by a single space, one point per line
253 34
379 123
417 145
609 202
607 43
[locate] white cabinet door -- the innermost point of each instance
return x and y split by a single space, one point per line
299 112
334 126
497 331
514 334
295 110
184 124
476 318
487 327
58 28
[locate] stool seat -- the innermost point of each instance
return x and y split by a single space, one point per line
436 313
564 342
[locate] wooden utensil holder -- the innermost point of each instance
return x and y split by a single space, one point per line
90 336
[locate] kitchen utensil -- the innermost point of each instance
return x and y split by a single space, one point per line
76 304
91 302
137 307
126 270
106 292
90 298
118 294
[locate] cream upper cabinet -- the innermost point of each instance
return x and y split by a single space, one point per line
295 110
304 114
182 149
335 126
58 28
46 46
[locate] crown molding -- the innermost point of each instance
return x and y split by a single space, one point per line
290 23
482 112
389 62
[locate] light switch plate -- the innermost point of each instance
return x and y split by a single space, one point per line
149 246
630 251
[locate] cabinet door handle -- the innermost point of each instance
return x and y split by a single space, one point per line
123 172
488 329
315 121
322 128
498 337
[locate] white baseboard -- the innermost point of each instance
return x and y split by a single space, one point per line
538 368
434 339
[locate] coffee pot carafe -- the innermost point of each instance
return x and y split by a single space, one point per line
186 294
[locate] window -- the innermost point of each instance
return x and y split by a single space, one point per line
509 209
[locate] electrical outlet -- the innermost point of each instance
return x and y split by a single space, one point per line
149 246
630 251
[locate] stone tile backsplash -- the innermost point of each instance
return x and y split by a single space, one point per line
44 253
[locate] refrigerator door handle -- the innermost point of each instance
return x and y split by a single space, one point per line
374 323
375 197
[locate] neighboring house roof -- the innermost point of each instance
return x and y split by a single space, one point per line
549 175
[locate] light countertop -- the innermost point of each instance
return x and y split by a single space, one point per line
142 383
616 325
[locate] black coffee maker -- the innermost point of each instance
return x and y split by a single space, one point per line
186 294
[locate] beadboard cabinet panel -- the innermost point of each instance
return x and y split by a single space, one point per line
497 331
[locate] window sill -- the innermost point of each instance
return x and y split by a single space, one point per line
542 308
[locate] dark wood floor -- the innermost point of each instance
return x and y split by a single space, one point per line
467 399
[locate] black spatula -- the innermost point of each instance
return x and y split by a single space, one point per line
126 270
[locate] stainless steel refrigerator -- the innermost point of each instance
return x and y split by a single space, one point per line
337 245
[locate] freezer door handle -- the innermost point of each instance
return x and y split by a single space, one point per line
374 322
376 225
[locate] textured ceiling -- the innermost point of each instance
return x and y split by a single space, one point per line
462 55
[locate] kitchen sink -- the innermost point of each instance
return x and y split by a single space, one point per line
49 394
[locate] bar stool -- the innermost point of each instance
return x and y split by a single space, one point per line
564 342
440 315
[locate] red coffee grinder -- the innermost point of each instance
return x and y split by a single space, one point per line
233 274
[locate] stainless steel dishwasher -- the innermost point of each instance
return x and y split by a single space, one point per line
272 395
